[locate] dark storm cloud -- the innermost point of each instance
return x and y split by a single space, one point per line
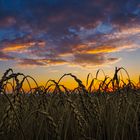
71 31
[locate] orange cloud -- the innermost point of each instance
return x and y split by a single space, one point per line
95 50
110 49
102 49
86 49
17 47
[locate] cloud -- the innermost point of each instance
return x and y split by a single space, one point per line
56 32
7 21
92 60
16 47
5 57
40 62
73 51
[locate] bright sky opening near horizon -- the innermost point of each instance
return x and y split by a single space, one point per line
47 38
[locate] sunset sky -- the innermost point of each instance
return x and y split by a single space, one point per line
47 38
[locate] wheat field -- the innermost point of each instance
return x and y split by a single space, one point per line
107 109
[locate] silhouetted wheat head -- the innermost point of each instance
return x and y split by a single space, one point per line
106 109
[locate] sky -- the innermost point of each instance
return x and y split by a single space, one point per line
47 38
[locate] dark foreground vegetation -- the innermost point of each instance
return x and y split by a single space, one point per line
107 109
